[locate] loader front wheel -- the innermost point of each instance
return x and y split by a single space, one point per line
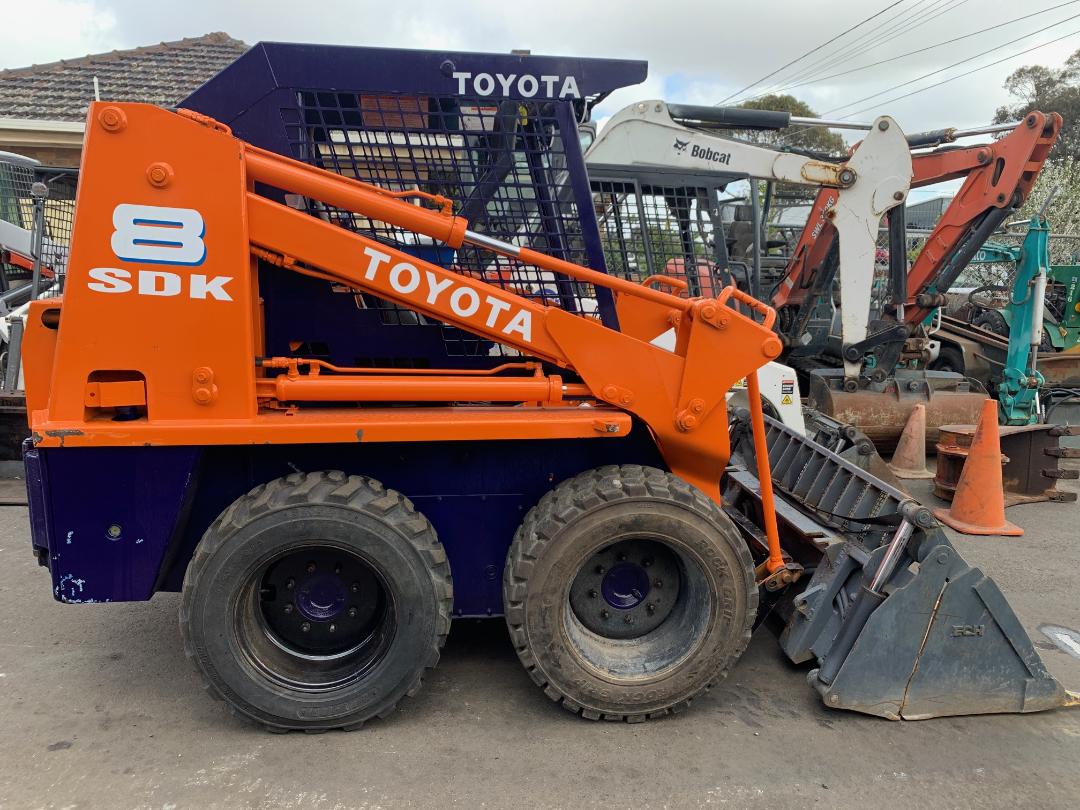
316 601
628 593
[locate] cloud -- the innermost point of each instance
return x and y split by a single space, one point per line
43 31
699 51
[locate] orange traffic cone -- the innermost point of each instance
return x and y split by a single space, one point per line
978 506
909 460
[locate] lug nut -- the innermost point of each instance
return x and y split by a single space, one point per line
658 583
592 593
311 568
305 627
622 557
333 628
352 613
288 609
604 614
290 584
651 608
355 587
647 562
337 568
600 569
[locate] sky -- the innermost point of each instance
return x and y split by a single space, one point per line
699 51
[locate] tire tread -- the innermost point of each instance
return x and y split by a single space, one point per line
567 502
335 488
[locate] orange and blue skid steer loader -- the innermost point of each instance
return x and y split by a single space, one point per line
324 521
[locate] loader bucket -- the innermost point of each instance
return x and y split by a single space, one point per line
898 624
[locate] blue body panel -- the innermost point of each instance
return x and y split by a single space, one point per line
163 498
106 517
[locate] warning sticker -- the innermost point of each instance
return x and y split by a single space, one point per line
785 399
740 384
787 386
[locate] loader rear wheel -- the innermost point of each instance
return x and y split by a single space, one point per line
316 601
628 593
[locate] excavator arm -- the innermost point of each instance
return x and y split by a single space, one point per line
1006 172
862 189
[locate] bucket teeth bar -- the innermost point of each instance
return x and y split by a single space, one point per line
900 626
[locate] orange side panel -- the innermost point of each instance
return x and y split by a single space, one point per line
133 315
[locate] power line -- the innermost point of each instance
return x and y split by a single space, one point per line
929 47
962 75
949 67
906 28
797 130
808 53
899 21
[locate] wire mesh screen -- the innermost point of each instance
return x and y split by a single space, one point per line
649 229
37 207
502 162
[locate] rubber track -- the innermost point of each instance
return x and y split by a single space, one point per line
355 492
567 502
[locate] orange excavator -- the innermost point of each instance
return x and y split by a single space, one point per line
303 501
998 177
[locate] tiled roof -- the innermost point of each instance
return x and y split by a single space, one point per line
157 74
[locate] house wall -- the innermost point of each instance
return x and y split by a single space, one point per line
54 143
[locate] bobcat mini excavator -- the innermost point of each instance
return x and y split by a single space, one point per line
313 511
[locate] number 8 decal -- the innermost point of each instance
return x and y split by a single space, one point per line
156 235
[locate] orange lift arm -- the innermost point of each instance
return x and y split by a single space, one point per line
999 176
182 353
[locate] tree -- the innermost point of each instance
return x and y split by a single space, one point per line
814 139
1062 177
1036 87
810 139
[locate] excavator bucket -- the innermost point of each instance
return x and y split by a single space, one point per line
898 623
880 410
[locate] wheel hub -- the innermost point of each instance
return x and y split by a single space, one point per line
625 586
626 589
319 601
321 596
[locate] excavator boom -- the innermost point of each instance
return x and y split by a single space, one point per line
874 180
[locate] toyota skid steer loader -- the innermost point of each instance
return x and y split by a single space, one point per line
325 520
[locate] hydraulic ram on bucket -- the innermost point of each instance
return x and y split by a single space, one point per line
898 623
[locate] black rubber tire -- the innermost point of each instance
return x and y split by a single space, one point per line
352 513
992 321
584 514
949 359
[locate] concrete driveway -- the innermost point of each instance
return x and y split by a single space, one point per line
100 709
